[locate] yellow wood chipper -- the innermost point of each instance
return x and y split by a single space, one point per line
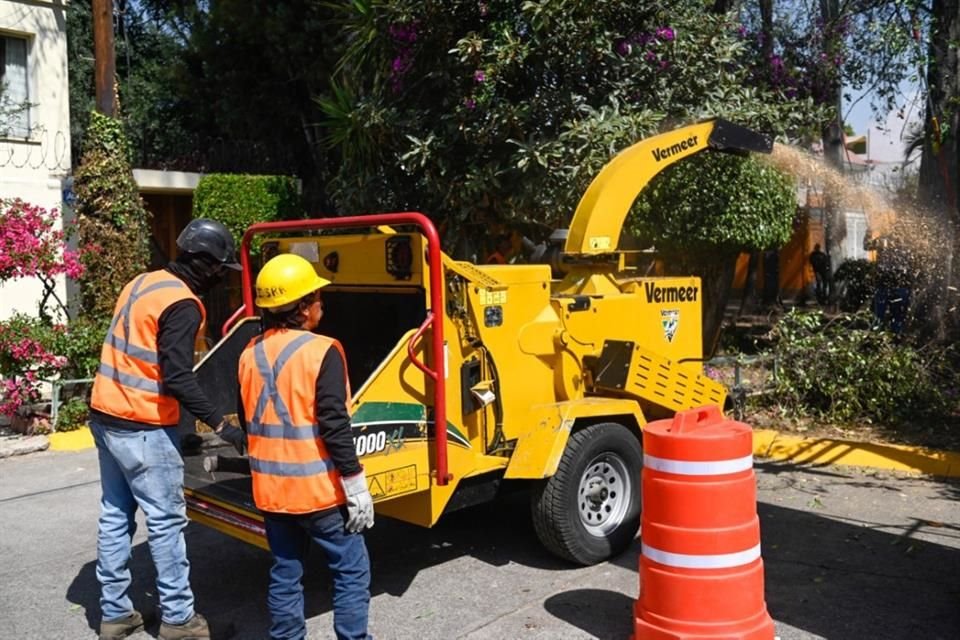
467 377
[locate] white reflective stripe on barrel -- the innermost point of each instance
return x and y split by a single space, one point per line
685 561
704 468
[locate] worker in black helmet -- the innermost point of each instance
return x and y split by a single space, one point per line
145 375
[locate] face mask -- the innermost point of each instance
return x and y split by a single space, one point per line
208 273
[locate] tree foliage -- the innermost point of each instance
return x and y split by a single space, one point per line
717 203
472 110
111 218
152 108
814 47
239 201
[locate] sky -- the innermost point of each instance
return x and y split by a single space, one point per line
887 137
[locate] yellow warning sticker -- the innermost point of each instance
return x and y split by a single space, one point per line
393 482
492 297
600 242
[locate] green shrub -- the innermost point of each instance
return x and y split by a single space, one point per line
73 414
843 370
27 358
239 200
112 220
749 206
33 350
80 345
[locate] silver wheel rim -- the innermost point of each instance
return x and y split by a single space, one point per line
603 496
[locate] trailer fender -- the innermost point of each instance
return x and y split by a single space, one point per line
538 451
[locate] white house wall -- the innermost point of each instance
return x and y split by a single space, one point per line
35 169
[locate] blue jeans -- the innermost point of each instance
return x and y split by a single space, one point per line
895 301
142 468
346 553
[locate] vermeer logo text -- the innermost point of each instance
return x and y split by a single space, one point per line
669 294
665 152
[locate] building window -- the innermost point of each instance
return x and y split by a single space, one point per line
14 94
856 230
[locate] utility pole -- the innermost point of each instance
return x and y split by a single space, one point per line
105 66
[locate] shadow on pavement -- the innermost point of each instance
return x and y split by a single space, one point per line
834 578
229 577
599 612
854 579
825 576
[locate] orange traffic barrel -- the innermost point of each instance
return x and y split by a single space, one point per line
701 575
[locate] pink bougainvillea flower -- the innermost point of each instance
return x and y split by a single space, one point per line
665 33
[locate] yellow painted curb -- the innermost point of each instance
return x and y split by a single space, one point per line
823 451
75 440
766 444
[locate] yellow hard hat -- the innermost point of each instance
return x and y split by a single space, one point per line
285 279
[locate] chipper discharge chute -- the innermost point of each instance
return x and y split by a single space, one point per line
468 376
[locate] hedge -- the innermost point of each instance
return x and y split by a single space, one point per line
239 200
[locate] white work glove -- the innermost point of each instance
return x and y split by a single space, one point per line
359 502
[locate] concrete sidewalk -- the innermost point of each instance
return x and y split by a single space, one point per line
16 444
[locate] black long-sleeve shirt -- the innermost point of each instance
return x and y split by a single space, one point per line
177 330
333 419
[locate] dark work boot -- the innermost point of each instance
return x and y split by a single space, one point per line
121 627
195 628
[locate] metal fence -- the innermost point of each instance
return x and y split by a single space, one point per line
56 388
741 390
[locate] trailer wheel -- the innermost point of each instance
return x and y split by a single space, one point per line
590 509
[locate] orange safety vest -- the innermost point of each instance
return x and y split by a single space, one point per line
292 471
128 384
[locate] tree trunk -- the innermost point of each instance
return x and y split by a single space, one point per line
723 6
835 227
938 163
766 26
749 299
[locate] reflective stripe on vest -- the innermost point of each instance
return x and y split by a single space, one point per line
269 391
689 561
135 294
128 383
292 471
128 380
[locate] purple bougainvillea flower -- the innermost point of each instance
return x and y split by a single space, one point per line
665 33
479 76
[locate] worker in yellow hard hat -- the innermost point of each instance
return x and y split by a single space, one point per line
307 479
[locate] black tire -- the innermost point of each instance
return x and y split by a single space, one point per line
589 510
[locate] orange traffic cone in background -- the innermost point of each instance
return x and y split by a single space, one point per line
701 576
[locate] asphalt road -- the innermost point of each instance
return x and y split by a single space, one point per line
848 555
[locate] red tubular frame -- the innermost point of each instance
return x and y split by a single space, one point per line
438 374
232 320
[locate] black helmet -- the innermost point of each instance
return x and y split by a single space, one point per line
211 238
